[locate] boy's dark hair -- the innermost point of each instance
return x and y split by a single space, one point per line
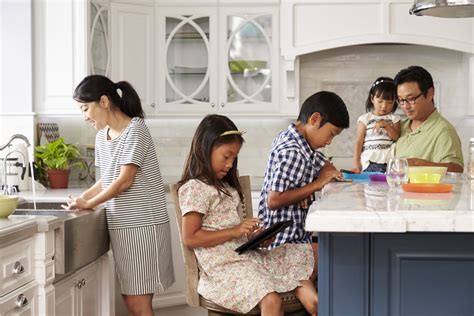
91 88
384 88
198 164
329 105
416 74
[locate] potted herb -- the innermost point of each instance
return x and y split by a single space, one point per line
56 158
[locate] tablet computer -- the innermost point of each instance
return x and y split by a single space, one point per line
263 235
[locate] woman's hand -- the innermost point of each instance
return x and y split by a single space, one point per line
74 203
247 227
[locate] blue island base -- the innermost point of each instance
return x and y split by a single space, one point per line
390 274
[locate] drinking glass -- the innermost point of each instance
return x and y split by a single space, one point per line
397 172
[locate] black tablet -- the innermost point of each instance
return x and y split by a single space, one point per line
265 234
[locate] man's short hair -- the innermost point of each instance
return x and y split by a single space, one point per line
415 74
331 107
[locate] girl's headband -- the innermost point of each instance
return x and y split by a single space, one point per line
232 132
380 81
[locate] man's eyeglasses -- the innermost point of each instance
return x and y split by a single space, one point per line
410 100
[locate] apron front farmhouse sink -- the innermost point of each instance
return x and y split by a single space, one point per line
81 239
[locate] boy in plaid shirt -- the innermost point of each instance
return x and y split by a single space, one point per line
296 169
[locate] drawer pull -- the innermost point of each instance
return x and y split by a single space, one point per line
79 284
18 268
21 301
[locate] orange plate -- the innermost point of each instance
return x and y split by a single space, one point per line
428 187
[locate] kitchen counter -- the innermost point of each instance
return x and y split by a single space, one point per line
17 227
389 252
376 208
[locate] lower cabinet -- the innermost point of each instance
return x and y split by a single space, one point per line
20 302
80 293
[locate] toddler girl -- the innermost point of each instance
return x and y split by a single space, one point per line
210 198
377 129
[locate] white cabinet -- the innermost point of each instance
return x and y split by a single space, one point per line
60 46
17 286
217 59
98 37
80 293
21 302
133 50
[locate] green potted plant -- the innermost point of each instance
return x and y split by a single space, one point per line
56 158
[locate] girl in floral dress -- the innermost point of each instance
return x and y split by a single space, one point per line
210 198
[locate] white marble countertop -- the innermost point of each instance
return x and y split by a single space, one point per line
374 207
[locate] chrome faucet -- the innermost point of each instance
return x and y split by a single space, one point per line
7 190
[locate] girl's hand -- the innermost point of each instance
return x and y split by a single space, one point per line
73 203
266 242
380 124
247 227
305 203
357 167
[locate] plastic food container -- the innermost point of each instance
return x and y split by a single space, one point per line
426 174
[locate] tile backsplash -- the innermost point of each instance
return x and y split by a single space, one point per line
173 139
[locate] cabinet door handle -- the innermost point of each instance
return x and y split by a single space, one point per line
213 105
83 282
21 301
18 268
78 284
152 105
222 104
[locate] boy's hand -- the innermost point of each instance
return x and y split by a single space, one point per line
247 227
327 175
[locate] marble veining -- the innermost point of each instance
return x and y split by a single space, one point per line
375 207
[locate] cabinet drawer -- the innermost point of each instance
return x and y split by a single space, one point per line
16 265
21 302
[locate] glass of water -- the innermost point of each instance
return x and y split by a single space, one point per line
397 172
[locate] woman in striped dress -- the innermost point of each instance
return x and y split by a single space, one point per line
131 187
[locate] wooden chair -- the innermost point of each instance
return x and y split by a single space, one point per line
291 304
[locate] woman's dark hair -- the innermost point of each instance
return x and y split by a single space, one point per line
329 105
206 138
91 88
384 88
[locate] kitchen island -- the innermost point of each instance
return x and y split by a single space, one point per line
386 252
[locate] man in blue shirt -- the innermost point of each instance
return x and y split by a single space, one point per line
295 168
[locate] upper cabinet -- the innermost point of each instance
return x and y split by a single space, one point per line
217 59
60 46
99 41
133 49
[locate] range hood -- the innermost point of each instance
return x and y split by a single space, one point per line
444 8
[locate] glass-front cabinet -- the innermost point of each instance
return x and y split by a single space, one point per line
217 60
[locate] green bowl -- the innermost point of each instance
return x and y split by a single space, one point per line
425 178
7 205
238 66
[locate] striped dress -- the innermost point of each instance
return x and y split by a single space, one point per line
137 218
377 143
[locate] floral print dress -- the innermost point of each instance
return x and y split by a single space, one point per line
239 282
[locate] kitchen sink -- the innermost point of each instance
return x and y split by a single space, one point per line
81 239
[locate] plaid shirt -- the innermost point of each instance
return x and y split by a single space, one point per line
291 164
